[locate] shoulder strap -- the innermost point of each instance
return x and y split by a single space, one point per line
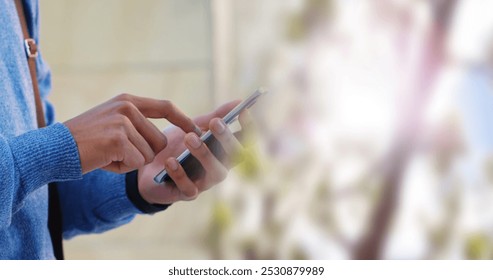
32 53
54 210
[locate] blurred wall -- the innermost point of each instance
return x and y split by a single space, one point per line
156 48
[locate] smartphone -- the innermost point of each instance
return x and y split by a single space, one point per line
190 164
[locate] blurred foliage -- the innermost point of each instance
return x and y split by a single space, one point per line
441 235
320 208
221 220
298 254
221 217
250 166
315 11
478 247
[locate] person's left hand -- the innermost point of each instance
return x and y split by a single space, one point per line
215 171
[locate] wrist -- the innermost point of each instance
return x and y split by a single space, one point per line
137 199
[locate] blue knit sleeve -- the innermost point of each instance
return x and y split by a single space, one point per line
30 161
95 204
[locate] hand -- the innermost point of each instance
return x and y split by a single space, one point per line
215 171
117 136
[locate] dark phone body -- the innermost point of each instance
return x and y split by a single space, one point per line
190 164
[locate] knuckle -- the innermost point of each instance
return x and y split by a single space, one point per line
125 107
124 97
167 104
203 153
118 139
168 107
121 123
149 158
178 175
190 194
163 141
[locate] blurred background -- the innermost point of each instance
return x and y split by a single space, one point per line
375 141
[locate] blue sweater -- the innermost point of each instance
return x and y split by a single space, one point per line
30 158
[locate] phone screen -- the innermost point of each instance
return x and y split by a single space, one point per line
190 164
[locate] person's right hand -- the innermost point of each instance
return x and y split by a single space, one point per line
117 136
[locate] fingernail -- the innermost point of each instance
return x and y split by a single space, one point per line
219 126
172 165
194 141
198 131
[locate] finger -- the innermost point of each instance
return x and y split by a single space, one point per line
203 121
154 108
222 110
152 135
215 170
182 182
132 158
246 121
129 159
140 143
228 141
247 128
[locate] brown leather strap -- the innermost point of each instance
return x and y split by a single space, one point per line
54 208
31 51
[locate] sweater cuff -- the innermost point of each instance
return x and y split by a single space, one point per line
132 189
47 155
